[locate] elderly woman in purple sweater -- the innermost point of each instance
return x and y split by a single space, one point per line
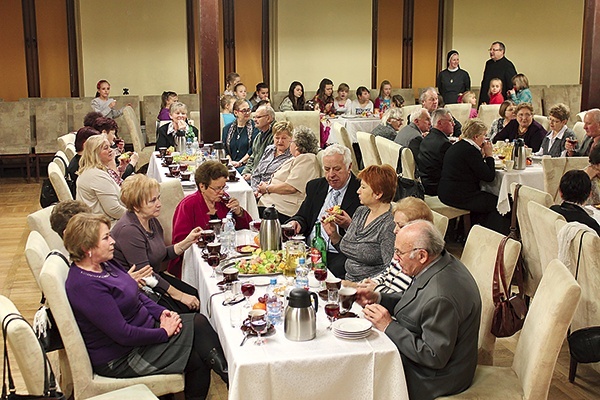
126 334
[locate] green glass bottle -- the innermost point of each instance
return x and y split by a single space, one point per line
318 247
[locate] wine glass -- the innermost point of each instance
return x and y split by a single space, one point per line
320 272
258 321
225 197
248 290
332 308
288 231
213 260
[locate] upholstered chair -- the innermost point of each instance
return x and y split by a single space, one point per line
441 222
310 119
40 221
137 138
368 149
171 193
544 230
59 182
344 139
555 168
460 111
488 113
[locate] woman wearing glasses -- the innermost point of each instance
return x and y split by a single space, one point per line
209 202
238 135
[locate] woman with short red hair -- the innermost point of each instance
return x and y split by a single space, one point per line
369 240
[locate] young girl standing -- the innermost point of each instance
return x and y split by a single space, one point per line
103 104
520 92
495 91
384 100
470 98
239 91
233 78
167 99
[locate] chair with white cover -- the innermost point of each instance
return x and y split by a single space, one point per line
310 119
39 221
581 116
344 138
539 343
441 222
555 168
137 392
460 111
389 151
61 164
544 231
531 254
171 193
368 148
36 250
86 383
579 131
588 312
64 140
408 110
479 256
70 151
488 113
542 120
137 138
279 116
59 182
449 212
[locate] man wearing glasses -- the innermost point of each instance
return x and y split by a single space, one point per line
499 67
264 117
435 322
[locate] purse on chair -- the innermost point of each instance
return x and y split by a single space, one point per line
408 187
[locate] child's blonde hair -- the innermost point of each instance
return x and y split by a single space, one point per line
468 96
520 81
494 80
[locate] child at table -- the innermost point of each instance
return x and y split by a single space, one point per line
384 100
520 92
469 97
227 108
342 102
495 92
166 100
239 91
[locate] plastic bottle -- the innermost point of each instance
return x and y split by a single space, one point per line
188 146
274 305
195 146
302 274
228 233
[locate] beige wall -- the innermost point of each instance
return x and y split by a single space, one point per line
314 39
543 38
138 44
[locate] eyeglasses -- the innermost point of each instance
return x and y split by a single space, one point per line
259 116
402 253
495 49
245 111
219 189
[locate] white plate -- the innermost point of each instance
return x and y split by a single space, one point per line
352 325
261 280
338 335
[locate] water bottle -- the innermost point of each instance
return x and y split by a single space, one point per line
302 274
274 305
195 146
188 146
228 233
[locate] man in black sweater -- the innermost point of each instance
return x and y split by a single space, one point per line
499 67
575 188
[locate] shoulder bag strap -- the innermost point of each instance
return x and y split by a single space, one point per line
577 267
399 166
499 275
61 255
514 233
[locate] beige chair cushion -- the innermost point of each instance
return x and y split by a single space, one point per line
15 114
579 131
460 111
555 168
408 110
530 251
40 221
368 148
171 193
389 151
70 151
488 113
64 140
344 138
151 108
61 164
544 230
86 383
542 120
441 222
137 392
36 250
59 182
310 119
539 343
479 256
137 138
449 212
50 123
125 131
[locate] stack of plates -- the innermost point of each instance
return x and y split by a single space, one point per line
352 328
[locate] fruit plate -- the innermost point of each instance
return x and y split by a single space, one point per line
246 248
231 262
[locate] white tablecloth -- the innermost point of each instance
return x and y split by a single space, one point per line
532 176
353 125
239 190
323 368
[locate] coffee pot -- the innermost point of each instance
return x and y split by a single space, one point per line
180 141
219 149
300 319
270 230
519 154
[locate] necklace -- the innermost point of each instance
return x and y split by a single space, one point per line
238 131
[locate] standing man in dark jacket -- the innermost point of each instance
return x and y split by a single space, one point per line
499 67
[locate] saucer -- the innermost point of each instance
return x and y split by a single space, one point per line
236 179
348 314
205 255
247 328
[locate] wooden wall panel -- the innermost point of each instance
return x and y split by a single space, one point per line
12 63
425 43
53 50
389 37
248 31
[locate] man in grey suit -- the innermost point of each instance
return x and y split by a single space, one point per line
591 125
435 323
412 134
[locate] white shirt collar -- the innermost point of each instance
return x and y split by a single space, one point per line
473 143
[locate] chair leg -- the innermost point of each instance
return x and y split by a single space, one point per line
572 370
467 224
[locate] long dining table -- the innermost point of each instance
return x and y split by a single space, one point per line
353 124
239 190
323 368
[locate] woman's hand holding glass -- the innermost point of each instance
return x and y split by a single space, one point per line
234 205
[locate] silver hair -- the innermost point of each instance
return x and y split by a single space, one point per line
269 110
423 96
595 112
391 113
427 237
436 115
305 140
418 114
337 148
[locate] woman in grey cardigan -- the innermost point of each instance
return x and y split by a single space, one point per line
369 240
553 143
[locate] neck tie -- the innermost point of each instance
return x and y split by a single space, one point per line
332 200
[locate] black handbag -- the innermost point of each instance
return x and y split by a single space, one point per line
50 390
48 195
407 187
584 344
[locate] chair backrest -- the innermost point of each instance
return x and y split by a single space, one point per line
542 120
531 253
279 116
555 168
368 148
64 140
59 182
545 329
579 131
544 231
581 115
25 348
389 151
151 107
441 222
344 138
171 193
407 110
195 117
52 279
408 163
39 221
320 163
61 164
479 256
460 111
36 250
50 122
15 114
135 130
488 113
70 151
310 119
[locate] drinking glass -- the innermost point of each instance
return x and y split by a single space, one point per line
255 225
347 296
225 197
248 290
320 272
332 308
213 261
258 321
288 231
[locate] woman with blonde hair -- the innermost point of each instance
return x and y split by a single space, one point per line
95 186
